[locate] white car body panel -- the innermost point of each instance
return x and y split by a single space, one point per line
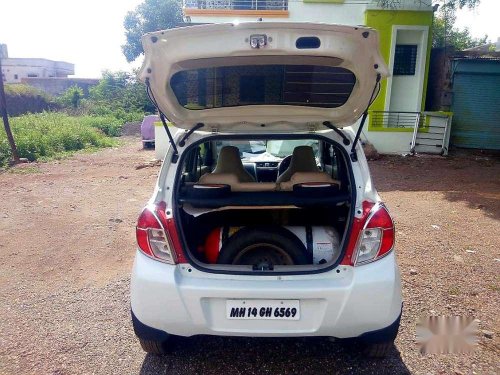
183 301
354 48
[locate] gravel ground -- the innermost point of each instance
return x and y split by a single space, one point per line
67 246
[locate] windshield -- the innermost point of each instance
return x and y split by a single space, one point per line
245 147
283 148
273 149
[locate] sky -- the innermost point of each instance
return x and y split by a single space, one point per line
482 20
89 33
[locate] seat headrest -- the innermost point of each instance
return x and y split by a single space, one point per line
229 157
303 159
229 161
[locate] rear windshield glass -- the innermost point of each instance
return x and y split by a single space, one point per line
230 86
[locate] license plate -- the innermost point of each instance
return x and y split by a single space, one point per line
258 309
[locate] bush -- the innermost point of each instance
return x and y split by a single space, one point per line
121 90
118 94
71 97
109 125
94 108
21 89
23 99
47 135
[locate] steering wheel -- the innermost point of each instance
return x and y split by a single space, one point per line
284 164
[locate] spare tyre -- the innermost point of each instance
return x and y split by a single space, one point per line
264 248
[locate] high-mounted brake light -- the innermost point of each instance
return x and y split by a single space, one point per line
156 235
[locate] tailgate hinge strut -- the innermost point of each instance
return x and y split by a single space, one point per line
354 156
329 125
151 97
182 142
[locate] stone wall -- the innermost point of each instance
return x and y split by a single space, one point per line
56 86
20 104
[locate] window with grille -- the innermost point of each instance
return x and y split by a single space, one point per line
405 60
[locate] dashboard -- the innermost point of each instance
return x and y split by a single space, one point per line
265 171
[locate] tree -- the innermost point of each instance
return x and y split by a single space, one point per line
451 4
457 4
151 15
444 34
71 97
121 90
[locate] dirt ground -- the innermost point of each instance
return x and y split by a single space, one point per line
67 244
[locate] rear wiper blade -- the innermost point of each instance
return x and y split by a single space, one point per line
329 125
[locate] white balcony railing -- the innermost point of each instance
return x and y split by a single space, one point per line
393 119
237 4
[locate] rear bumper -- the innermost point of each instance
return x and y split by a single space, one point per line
386 334
183 301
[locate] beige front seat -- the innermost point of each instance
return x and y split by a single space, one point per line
228 163
302 161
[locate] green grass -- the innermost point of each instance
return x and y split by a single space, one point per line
24 170
24 90
50 135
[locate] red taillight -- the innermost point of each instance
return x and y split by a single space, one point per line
372 235
383 221
157 236
356 228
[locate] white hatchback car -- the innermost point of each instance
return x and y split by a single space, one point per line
264 220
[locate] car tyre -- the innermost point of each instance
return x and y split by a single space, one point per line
276 237
379 349
156 347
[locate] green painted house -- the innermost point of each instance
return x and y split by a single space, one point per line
405 42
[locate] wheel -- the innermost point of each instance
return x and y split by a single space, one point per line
379 349
155 347
152 340
264 248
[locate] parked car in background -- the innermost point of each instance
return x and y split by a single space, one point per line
148 130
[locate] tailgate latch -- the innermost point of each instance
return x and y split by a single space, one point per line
258 40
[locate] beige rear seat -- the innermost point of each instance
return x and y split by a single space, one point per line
236 186
229 162
306 177
230 171
302 161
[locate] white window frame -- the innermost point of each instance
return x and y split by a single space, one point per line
421 62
